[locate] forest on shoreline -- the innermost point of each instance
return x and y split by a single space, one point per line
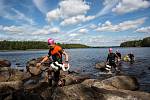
25 45
137 43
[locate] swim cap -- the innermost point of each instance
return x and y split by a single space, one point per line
110 49
50 41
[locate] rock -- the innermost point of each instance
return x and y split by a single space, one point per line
119 82
89 82
4 74
100 66
22 95
119 94
6 93
5 63
72 78
103 85
9 74
13 84
33 62
37 87
76 92
83 92
46 93
31 66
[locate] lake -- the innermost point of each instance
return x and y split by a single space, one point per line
84 61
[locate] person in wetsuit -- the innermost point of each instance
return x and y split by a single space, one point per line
131 56
118 55
111 60
55 55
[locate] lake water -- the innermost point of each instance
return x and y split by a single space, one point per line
84 61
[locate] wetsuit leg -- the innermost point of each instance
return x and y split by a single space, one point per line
113 65
56 76
49 74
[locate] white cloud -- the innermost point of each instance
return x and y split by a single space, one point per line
144 30
47 30
40 4
73 34
125 6
83 30
11 29
93 26
126 25
108 5
30 30
71 12
53 15
54 30
70 8
76 20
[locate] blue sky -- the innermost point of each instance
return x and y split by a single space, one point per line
90 22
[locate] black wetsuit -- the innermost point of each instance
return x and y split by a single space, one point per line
111 59
118 54
131 56
56 56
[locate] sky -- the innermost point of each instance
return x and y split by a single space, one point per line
89 22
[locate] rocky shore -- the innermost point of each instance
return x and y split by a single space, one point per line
22 85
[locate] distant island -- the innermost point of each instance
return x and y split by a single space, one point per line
137 43
25 45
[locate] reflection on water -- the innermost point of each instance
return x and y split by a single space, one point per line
84 61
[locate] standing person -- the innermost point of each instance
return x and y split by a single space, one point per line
132 58
55 54
111 60
118 55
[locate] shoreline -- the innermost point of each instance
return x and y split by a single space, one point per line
68 48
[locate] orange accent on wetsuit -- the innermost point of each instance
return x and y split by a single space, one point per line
56 51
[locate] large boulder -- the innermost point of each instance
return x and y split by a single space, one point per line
9 74
100 65
13 84
83 92
119 82
119 94
73 78
11 94
76 92
31 66
5 63
33 62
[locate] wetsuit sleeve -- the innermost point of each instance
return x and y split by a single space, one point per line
108 57
49 53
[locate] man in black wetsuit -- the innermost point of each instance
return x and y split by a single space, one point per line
131 56
111 60
118 55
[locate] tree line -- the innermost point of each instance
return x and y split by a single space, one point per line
137 43
24 45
